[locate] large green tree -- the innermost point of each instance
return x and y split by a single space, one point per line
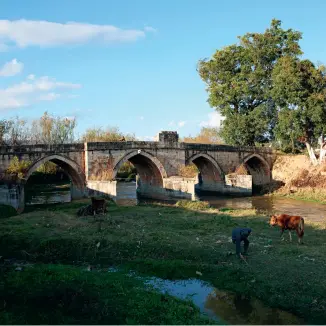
239 82
299 90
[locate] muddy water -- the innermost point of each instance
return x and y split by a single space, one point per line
268 204
225 307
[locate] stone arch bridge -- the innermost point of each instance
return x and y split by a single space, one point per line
93 167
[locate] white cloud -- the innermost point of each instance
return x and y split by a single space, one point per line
172 123
24 33
32 91
49 97
181 123
141 118
11 68
150 29
214 120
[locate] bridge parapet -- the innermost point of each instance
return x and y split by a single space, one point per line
41 148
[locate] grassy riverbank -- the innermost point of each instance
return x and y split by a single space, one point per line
172 242
62 294
313 195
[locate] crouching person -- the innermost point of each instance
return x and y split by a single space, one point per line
239 235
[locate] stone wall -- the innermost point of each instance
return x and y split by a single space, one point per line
123 193
238 184
12 195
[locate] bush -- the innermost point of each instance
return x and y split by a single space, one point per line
7 211
188 171
193 205
18 167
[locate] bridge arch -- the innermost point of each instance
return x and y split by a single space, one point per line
258 168
150 169
68 166
210 171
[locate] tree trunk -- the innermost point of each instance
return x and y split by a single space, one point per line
293 146
322 150
311 153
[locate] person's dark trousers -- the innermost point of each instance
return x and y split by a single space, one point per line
246 245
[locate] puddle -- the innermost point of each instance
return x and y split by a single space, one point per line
223 306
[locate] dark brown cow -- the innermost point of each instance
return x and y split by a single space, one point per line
288 222
98 205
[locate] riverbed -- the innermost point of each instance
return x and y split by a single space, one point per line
313 212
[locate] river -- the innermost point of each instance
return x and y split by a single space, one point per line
313 212
264 204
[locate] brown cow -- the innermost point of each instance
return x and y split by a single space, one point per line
288 222
98 205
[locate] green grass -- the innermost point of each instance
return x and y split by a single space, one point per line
57 294
314 195
7 211
174 242
193 205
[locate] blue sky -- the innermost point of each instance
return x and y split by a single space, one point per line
139 75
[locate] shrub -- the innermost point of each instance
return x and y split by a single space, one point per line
7 211
18 167
188 171
193 205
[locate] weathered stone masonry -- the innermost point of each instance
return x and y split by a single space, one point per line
93 167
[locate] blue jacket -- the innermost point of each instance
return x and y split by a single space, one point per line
238 235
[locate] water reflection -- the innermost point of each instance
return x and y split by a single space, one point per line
223 306
239 309
268 204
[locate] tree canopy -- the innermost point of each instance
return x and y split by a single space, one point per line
299 90
239 82
267 92
207 135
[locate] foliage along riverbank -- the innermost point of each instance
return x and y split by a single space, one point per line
174 243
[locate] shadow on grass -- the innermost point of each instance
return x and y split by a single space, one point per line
175 242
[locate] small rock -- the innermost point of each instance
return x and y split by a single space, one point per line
199 273
218 241
19 269
89 268
197 239
98 244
